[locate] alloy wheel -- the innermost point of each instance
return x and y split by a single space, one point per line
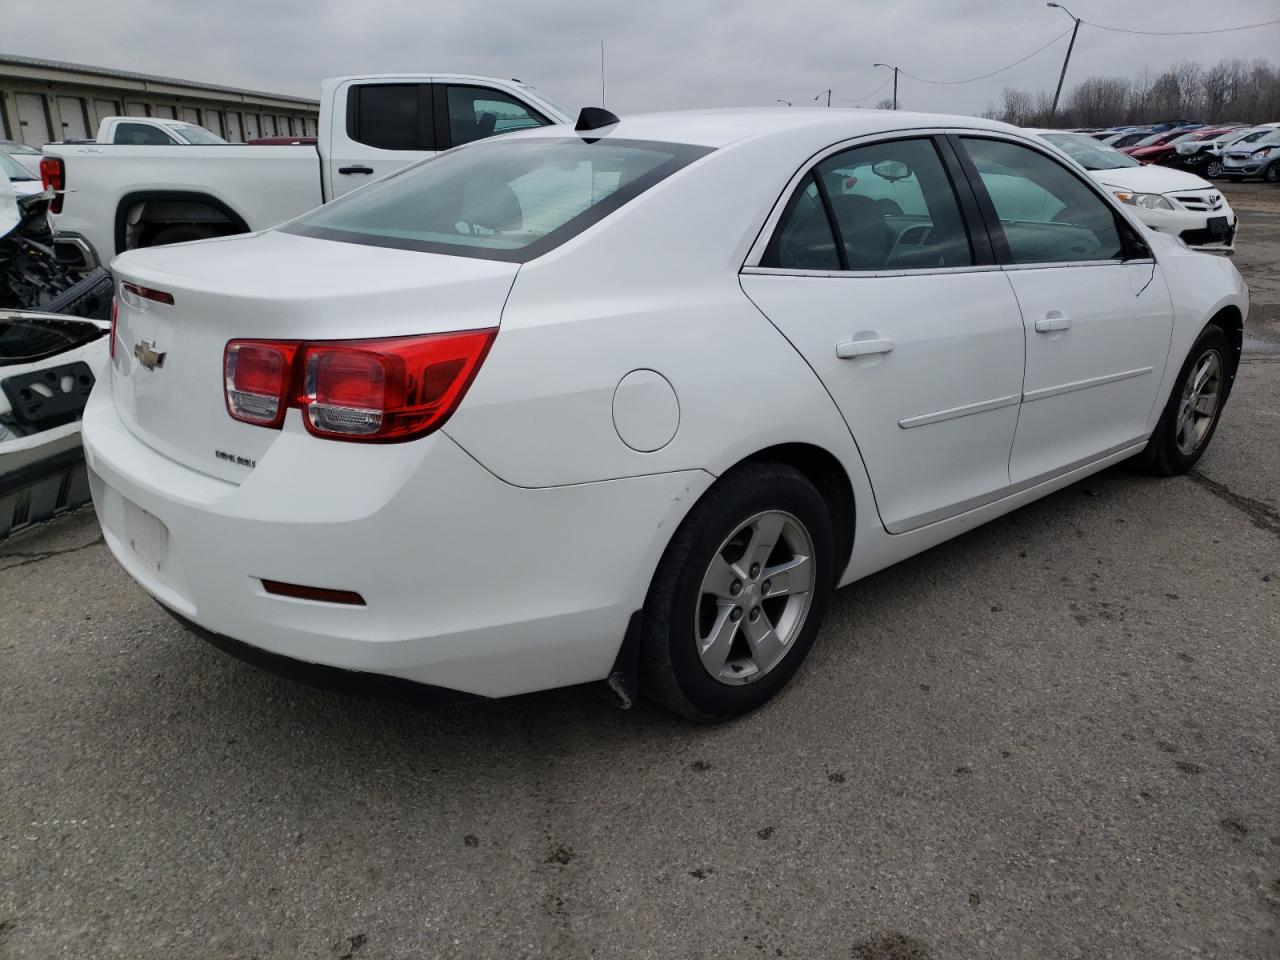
1201 395
1214 169
755 597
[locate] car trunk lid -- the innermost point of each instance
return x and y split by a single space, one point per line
167 373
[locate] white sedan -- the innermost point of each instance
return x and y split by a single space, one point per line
630 400
1166 200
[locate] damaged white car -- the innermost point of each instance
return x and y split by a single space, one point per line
48 365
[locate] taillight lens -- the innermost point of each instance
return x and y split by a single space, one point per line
369 390
53 176
115 321
257 376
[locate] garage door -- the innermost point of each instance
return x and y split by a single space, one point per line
106 108
33 122
74 125
191 115
235 128
136 110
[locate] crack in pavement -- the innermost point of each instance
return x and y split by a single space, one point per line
30 558
1261 515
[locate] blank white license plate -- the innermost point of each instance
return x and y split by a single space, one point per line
146 535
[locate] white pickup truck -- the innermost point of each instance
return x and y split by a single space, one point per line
114 197
153 132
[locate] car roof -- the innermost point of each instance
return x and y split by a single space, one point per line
721 127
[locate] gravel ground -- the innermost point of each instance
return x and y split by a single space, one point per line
1057 736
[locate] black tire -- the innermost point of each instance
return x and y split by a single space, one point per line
1213 170
1272 173
1163 456
671 670
182 233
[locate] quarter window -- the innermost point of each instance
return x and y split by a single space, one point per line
1048 215
892 207
479 112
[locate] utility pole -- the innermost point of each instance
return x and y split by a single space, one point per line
1063 75
601 73
895 81
819 97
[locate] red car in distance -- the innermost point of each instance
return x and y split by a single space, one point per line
1166 146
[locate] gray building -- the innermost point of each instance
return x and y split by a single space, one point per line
45 100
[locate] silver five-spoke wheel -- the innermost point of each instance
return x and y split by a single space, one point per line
1199 404
754 597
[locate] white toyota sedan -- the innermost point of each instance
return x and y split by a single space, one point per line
628 401
1166 200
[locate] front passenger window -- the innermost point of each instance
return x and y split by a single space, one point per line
1047 214
479 112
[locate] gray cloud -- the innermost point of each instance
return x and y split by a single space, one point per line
661 54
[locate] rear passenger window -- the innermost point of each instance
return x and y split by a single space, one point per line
389 116
893 208
479 112
141 134
1047 214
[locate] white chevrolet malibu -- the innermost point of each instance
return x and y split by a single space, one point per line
628 401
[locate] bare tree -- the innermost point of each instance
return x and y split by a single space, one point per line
1230 90
886 104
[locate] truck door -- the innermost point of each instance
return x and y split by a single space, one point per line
375 128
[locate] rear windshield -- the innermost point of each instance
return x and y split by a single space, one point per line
499 199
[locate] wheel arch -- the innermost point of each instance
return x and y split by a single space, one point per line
825 471
197 207
1231 321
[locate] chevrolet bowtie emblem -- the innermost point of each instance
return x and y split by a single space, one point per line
146 354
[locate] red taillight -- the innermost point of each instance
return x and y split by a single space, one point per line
371 390
115 318
258 375
53 176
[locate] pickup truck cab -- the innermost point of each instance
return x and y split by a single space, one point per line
153 132
114 197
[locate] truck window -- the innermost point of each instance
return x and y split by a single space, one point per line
141 134
391 116
479 112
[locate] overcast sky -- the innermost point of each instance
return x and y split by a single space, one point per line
660 54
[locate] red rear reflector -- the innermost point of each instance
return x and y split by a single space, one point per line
257 375
146 293
371 390
115 317
323 594
53 176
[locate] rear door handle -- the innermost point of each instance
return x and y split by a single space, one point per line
1053 323
862 348
355 169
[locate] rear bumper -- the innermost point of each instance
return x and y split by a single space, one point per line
470 584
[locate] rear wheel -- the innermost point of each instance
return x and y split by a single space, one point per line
1272 173
739 595
1195 405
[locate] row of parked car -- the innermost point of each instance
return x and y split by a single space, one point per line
1233 151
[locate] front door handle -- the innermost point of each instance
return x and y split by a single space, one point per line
355 169
1053 323
862 348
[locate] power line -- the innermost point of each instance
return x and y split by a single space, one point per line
866 96
1181 33
948 83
